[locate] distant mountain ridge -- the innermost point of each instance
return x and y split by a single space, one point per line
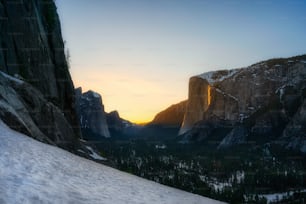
173 115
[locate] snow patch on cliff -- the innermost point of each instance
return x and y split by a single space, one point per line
216 76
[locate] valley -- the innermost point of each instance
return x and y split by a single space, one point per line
235 145
235 176
237 136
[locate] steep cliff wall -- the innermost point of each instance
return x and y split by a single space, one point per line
261 98
91 114
198 101
32 50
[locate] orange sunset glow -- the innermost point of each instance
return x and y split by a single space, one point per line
208 95
139 55
137 98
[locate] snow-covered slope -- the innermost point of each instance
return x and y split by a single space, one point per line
33 172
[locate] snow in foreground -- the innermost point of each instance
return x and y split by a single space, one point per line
33 172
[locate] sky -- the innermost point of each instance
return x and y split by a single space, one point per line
140 54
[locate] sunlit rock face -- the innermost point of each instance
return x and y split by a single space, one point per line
198 102
262 98
172 116
91 113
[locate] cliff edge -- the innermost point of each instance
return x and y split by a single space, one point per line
36 90
262 102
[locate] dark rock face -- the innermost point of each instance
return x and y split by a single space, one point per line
91 113
294 135
119 127
260 103
172 116
236 136
26 110
114 122
32 48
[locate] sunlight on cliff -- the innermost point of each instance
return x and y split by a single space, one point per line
208 96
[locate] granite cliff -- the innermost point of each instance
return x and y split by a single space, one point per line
36 90
91 114
262 103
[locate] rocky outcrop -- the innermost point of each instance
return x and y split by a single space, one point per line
172 116
32 48
256 102
41 104
26 110
91 114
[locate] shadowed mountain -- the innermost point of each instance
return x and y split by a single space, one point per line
92 116
121 128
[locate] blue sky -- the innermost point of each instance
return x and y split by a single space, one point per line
139 54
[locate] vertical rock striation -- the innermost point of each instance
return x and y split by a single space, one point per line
32 49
